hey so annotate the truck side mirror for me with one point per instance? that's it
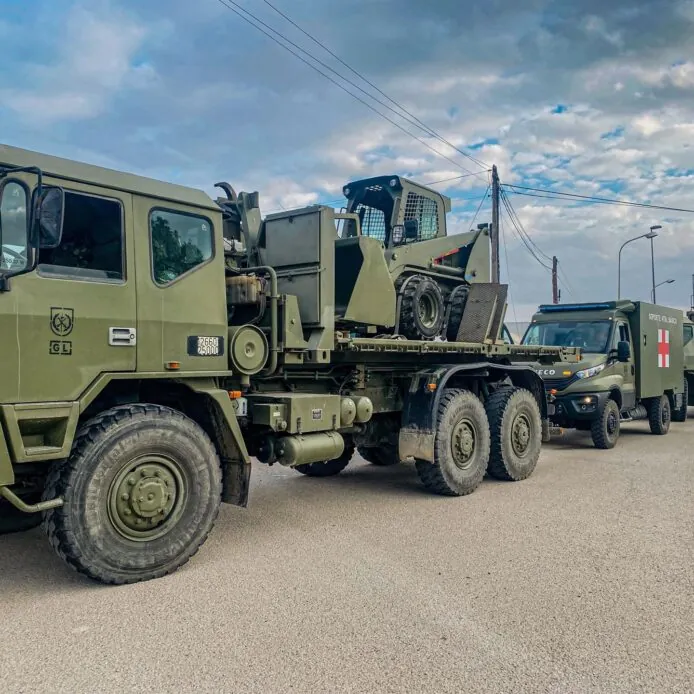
(623, 351)
(51, 209)
(411, 230)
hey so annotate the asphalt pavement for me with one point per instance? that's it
(579, 579)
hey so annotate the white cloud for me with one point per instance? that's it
(95, 60)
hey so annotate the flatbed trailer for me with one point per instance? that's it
(144, 369)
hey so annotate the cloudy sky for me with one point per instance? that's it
(586, 96)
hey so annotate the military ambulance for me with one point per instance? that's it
(632, 366)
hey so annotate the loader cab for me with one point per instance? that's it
(397, 211)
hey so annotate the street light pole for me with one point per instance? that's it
(650, 235)
(653, 228)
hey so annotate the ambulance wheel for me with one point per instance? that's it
(659, 415)
(421, 309)
(605, 429)
(680, 414)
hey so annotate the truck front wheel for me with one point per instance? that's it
(461, 446)
(659, 415)
(605, 429)
(142, 489)
(515, 423)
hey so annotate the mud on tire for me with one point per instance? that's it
(461, 446)
(421, 309)
(515, 424)
(142, 489)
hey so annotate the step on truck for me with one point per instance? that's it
(631, 367)
(156, 340)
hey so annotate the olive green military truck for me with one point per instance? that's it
(632, 366)
(154, 340)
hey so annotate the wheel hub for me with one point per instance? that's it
(611, 423)
(427, 311)
(146, 498)
(520, 435)
(463, 443)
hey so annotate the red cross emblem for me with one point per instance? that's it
(663, 349)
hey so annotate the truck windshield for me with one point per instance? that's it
(13, 228)
(590, 336)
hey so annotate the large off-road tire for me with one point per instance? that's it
(329, 467)
(382, 456)
(515, 425)
(455, 316)
(680, 414)
(605, 429)
(461, 446)
(659, 415)
(421, 309)
(142, 489)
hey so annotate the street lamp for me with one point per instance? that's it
(650, 235)
(657, 226)
(663, 282)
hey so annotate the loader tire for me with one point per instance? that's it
(680, 414)
(328, 468)
(605, 429)
(421, 309)
(142, 489)
(515, 424)
(461, 446)
(659, 415)
(455, 317)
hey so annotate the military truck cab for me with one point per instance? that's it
(631, 366)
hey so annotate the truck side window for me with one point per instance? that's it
(623, 332)
(91, 247)
(180, 242)
(688, 333)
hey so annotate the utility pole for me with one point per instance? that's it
(495, 225)
(555, 283)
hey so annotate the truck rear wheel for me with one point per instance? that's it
(142, 489)
(421, 309)
(659, 415)
(383, 456)
(605, 429)
(515, 425)
(680, 414)
(329, 467)
(461, 446)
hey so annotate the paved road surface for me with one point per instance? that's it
(580, 579)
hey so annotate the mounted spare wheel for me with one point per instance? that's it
(421, 308)
(457, 301)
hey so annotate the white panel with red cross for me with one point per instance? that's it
(663, 348)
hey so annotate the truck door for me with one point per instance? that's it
(623, 334)
(76, 312)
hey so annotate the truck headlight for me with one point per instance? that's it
(589, 373)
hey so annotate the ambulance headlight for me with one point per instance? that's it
(589, 373)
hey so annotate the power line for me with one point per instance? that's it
(414, 118)
(479, 207)
(508, 268)
(241, 12)
(524, 236)
(592, 198)
(453, 178)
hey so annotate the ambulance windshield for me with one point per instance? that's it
(590, 336)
